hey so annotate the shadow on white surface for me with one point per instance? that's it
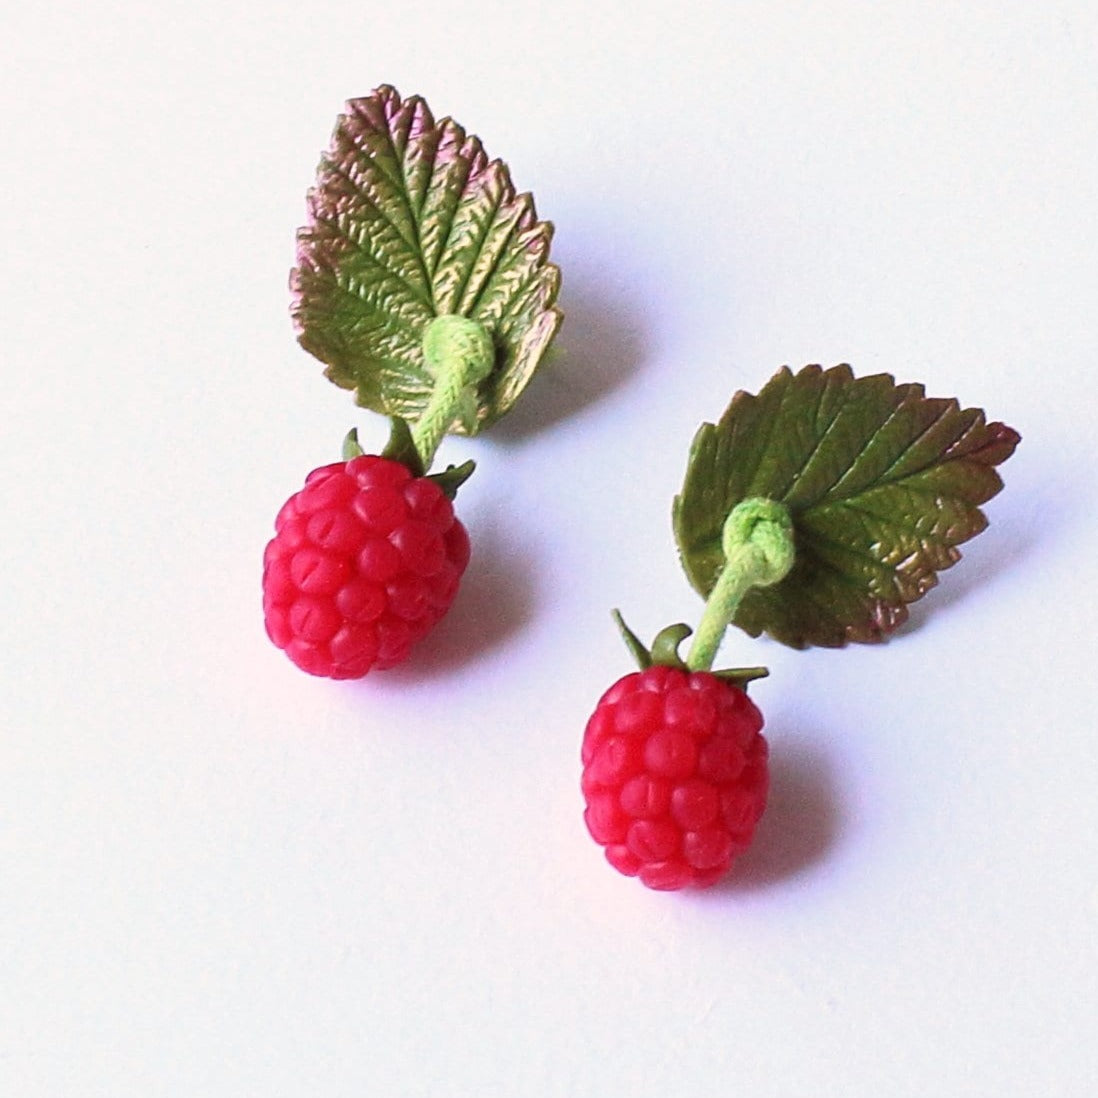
(599, 348)
(995, 557)
(802, 823)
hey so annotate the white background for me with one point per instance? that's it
(219, 876)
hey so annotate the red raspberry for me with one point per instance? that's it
(365, 560)
(674, 775)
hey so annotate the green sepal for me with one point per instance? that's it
(741, 676)
(453, 477)
(401, 447)
(882, 484)
(351, 447)
(633, 642)
(665, 648)
(664, 652)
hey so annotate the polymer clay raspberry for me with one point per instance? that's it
(815, 511)
(674, 776)
(365, 560)
(674, 764)
(423, 284)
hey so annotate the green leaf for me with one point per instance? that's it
(409, 220)
(883, 483)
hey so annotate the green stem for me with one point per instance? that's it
(459, 355)
(757, 540)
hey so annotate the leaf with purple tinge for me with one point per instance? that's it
(882, 482)
(409, 220)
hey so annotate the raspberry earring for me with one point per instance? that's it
(423, 283)
(816, 512)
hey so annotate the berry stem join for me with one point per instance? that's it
(459, 355)
(757, 541)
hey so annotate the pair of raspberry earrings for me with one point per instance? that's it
(814, 511)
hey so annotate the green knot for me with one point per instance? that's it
(458, 346)
(762, 529)
(757, 541)
(459, 355)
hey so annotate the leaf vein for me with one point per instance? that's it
(824, 438)
(486, 229)
(465, 161)
(367, 253)
(946, 410)
(401, 183)
(772, 426)
(498, 264)
(414, 252)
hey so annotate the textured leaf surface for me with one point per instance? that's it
(408, 220)
(883, 484)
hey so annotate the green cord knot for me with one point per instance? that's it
(763, 530)
(460, 346)
(757, 541)
(459, 355)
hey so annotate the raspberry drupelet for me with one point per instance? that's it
(674, 776)
(365, 560)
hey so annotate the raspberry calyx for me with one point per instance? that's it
(664, 652)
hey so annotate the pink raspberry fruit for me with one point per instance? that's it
(365, 560)
(674, 776)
